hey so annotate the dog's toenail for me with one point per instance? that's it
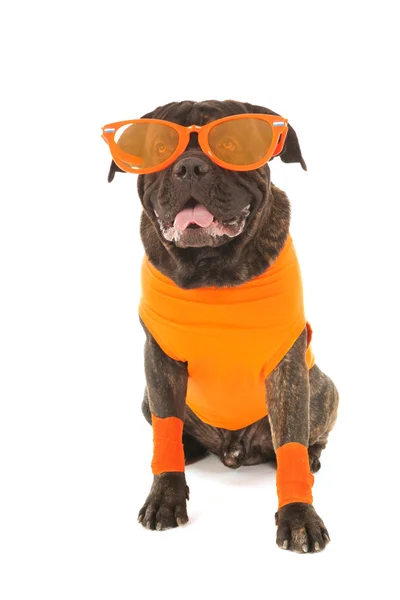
(148, 525)
(285, 544)
(316, 546)
(304, 548)
(158, 526)
(326, 537)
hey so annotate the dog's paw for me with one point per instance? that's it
(300, 528)
(315, 464)
(165, 506)
(314, 453)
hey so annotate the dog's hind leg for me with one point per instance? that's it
(193, 449)
(324, 401)
(145, 407)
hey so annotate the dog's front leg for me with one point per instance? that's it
(288, 397)
(166, 380)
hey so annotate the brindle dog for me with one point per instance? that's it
(302, 404)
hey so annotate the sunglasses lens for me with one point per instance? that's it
(241, 141)
(149, 144)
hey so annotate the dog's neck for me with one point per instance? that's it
(231, 264)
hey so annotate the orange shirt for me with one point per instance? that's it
(232, 338)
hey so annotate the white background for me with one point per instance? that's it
(74, 449)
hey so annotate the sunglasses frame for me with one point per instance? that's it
(278, 124)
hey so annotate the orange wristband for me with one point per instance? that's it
(168, 452)
(294, 479)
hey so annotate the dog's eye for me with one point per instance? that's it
(228, 144)
(161, 148)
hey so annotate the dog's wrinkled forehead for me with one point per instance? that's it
(197, 113)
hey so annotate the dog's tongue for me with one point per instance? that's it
(197, 214)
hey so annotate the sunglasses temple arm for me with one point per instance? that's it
(280, 144)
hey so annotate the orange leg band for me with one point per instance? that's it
(294, 479)
(168, 452)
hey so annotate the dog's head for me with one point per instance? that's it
(194, 203)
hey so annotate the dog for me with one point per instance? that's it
(211, 233)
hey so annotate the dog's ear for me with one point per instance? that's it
(113, 169)
(291, 150)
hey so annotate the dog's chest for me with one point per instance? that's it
(231, 338)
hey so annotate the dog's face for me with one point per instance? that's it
(195, 203)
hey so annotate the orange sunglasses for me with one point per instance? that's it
(238, 143)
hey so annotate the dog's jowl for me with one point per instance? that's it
(228, 358)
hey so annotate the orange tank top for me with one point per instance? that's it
(232, 337)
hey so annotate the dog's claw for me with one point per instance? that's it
(285, 544)
(304, 548)
(140, 518)
(316, 547)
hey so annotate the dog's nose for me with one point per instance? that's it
(191, 167)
